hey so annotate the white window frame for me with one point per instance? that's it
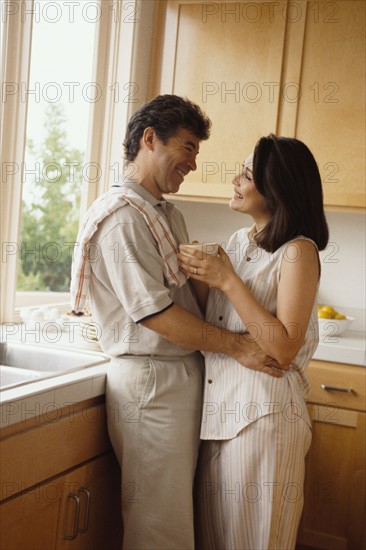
(124, 34)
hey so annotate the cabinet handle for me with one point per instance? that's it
(76, 517)
(86, 515)
(334, 388)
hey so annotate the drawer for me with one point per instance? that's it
(40, 453)
(348, 383)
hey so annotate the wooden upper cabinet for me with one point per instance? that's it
(226, 60)
(292, 68)
(331, 112)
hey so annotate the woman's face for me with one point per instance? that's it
(247, 198)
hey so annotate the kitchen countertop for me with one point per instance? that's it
(349, 348)
(48, 395)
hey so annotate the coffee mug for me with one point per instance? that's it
(208, 248)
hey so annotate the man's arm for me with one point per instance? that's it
(201, 291)
(179, 326)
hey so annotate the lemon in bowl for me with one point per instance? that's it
(331, 322)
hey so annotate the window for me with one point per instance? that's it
(68, 65)
(59, 95)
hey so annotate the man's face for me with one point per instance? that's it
(169, 163)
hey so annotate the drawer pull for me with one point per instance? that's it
(84, 528)
(76, 517)
(334, 388)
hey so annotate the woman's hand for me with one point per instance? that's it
(216, 271)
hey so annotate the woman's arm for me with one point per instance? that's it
(280, 337)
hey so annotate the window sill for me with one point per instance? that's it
(35, 299)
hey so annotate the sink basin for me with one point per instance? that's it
(11, 376)
(22, 363)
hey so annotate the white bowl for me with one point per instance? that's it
(334, 327)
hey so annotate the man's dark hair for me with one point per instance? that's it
(165, 114)
(287, 175)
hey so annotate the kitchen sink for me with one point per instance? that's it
(22, 363)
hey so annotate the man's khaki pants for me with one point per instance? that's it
(154, 413)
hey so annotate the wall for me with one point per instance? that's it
(343, 261)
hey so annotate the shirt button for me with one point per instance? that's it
(209, 381)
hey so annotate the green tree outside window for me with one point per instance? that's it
(50, 219)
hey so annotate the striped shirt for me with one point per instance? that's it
(235, 396)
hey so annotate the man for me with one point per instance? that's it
(150, 324)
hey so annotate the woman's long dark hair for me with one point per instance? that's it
(286, 174)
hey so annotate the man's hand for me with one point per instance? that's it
(247, 352)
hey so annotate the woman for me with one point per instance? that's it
(255, 428)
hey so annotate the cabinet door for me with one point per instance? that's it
(29, 521)
(91, 514)
(227, 57)
(331, 111)
(334, 507)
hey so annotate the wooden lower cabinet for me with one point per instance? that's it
(60, 482)
(334, 495)
(91, 511)
(30, 521)
(78, 507)
(79, 510)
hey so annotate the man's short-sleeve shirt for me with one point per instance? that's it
(127, 283)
